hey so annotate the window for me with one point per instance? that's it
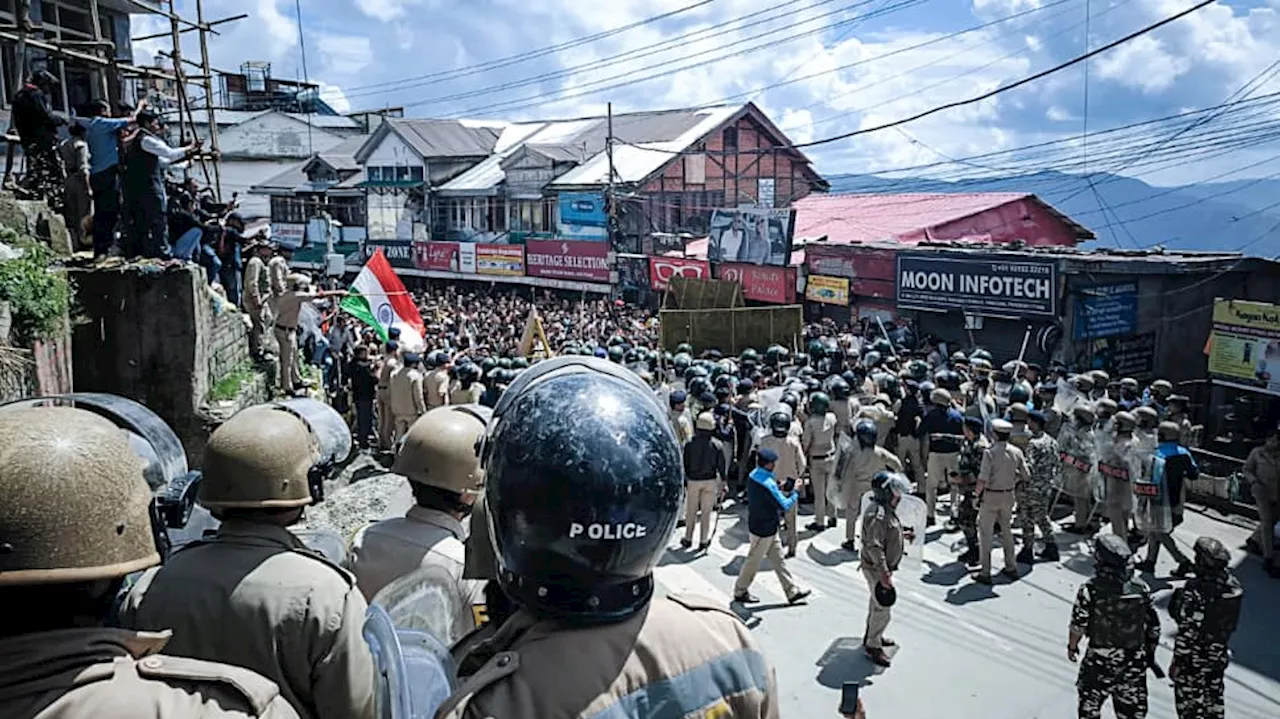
(415, 174)
(729, 138)
(402, 174)
(373, 174)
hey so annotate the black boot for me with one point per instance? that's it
(970, 556)
(1049, 553)
(1026, 555)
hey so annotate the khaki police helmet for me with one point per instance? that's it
(1162, 387)
(1125, 421)
(1147, 415)
(1082, 382)
(1106, 407)
(1017, 412)
(1168, 432)
(260, 458)
(74, 506)
(1129, 383)
(706, 421)
(1084, 413)
(940, 397)
(440, 448)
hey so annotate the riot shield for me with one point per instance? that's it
(1079, 476)
(1066, 398)
(331, 432)
(325, 541)
(176, 518)
(1152, 511)
(414, 674)
(912, 513)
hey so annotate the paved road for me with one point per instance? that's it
(965, 650)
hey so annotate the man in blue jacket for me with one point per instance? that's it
(766, 504)
(1158, 499)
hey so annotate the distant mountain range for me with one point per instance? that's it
(1242, 215)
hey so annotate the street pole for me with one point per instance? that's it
(610, 205)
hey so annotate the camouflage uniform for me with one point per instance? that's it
(966, 513)
(1115, 663)
(1045, 463)
(1206, 611)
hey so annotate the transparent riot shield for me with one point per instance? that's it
(912, 513)
(333, 436)
(1079, 454)
(409, 629)
(325, 541)
(1152, 511)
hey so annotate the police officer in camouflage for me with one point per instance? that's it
(1044, 463)
(965, 480)
(1207, 611)
(1114, 611)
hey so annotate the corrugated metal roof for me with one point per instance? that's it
(864, 218)
(645, 142)
(285, 181)
(226, 118)
(446, 138)
(342, 156)
(558, 152)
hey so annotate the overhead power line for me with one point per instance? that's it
(1014, 85)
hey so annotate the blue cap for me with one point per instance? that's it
(412, 357)
(678, 397)
(393, 345)
(767, 456)
(1037, 416)
(394, 333)
(601, 352)
(974, 423)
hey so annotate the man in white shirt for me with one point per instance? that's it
(146, 158)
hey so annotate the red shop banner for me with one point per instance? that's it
(764, 283)
(830, 261)
(436, 256)
(662, 269)
(567, 260)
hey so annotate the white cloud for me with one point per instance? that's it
(1143, 63)
(343, 56)
(334, 96)
(386, 10)
(1057, 113)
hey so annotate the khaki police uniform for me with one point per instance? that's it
(423, 537)
(254, 596)
(277, 278)
(117, 674)
(1003, 468)
(1262, 471)
(386, 420)
(407, 402)
(681, 425)
(790, 465)
(687, 656)
(818, 438)
(882, 548)
(257, 293)
(844, 410)
(470, 395)
(862, 467)
(288, 308)
(435, 388)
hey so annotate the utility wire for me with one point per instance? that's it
(1014, 85)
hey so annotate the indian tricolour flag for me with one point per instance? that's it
(378, 299)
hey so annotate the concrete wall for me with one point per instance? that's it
(154, 336)
(238, 175)
(393, 151)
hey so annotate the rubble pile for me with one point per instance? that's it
(348, 508)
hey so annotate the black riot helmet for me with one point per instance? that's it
(838, 388)
(1018, 394)
(1211, 555)
(801, 360)
(583, 482)
(1113, 557)
(617, 354)
(886, 486)
(779, 424)
(698, 386)
(865, 431)
(792, 400)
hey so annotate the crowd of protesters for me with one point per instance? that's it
(107, 171)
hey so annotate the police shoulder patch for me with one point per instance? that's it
(257, 691)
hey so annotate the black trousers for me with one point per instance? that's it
(106, 208)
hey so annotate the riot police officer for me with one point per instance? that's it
(1119, 465)
(438, 457)
(818, 437)
(254, 595)
(1080, 458)
(1158, 498)
(1207, 611)
(1114, 610)
(583, 481)
(74, 517)
(859, 462)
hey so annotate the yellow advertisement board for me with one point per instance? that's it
(1245, 342)
(828, 290)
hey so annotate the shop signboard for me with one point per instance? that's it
(1244, 345)
(978, 285)
(633, 272)
(289, 234)
(399, 253)
(439, 256)
(662, 269)
(582, 217)
(1106, 311)
(753, 235)
(762, 283)
(829, 261)
(567, 260)
(501, 260)
(827, 290)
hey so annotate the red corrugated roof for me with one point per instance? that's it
(905, 218)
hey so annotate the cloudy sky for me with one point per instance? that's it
(819, 68)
